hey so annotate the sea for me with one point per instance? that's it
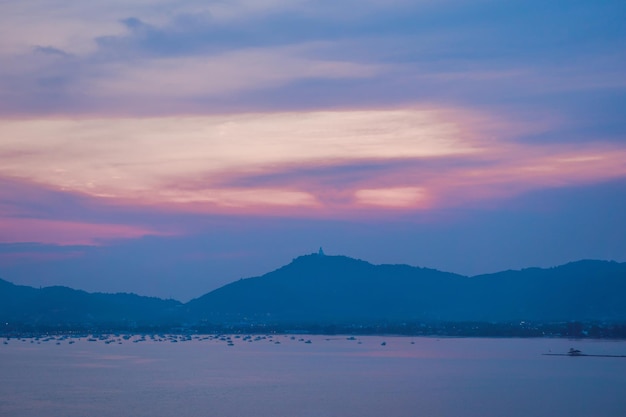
(308, 376)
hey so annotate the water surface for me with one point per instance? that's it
(330, 376)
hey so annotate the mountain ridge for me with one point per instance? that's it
(417, 293)
(341, 290)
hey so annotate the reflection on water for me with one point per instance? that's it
(308, 376)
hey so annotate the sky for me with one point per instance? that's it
(168, 147)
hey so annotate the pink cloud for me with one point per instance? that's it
(66, 232)
(425, 158)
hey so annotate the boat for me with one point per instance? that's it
(574, 352)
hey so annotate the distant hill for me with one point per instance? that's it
(53, 306)
(318, 289)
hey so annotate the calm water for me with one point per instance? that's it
(331, 376)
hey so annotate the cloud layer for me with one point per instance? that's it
(423, 159)
(158, 119)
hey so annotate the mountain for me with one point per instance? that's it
(321, 288)
(337, 290)
(62, 306)
(317, 288)
(582, 290)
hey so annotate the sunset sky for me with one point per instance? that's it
(169, 147)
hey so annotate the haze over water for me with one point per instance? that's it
(331, 376)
